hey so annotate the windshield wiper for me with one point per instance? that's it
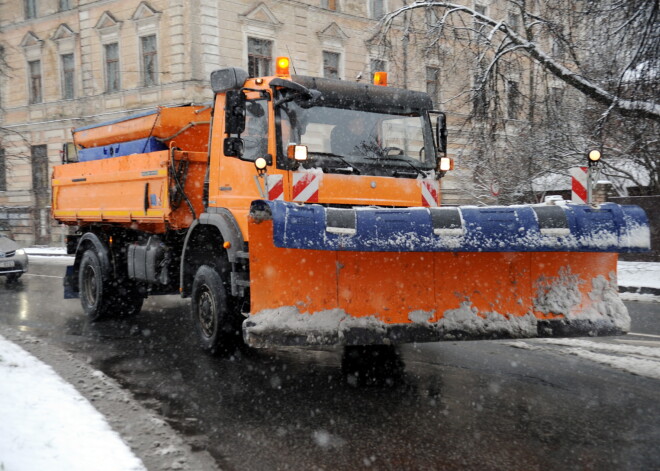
(392, 158)
(328, 154)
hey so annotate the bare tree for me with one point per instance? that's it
(637, 28)
(547, 80)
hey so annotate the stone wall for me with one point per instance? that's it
(17, 222)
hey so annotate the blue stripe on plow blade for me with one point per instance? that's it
(532, 228)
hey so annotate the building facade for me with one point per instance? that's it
(72, 63)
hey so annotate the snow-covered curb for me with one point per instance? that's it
(638, 360)
(46, 251)
(150, 438)
(46, 424)
(638, 279)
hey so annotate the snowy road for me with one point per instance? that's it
(532, 404)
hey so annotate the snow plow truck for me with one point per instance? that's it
(301, 211)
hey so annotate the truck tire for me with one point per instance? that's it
(212, 312)
(100, 300)
(94, 294)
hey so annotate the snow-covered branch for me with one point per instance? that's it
(589, 87)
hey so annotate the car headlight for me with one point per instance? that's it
(20, 252)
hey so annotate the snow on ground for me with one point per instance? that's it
(43, 250)
(47, 425)
(643, 274)
(640, 361)
(640, 275)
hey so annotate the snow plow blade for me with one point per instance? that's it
(325, 276)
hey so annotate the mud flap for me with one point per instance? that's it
(324, 276)
(70, 284)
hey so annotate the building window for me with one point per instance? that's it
(149, 60)
(30, 9)
(112, 78)
(478, 25)
(433, 84)
(331, 64)
(64, 5)
(514, 21)
(556, 98)
(431, 17)
(377, 65)
(377, 9)
(330, 4)
(68, 76)
(558, 48)
(513, 99)
(3, 170)
(260, 57)
(479, 96)
(34, 68)
(40, 169)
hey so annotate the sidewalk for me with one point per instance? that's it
(47, 424)
(639, 278)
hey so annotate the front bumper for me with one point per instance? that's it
(13, 265)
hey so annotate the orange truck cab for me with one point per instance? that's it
(306, 211)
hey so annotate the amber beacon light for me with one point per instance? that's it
(380, 78)
(282, 66)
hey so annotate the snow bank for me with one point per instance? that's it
(71, 436)
(43, 250)
(640, 274)
(641, 361)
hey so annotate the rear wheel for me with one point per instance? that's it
(94, 294)
(213, 313)
(102, 299)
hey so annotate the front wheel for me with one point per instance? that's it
(212, 312)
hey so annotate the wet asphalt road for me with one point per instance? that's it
(451, 405)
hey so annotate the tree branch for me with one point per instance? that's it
(625, 106)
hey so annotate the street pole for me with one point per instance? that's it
(594, 158)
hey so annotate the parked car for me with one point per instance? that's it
(13, 259)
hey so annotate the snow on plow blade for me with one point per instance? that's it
(325, 276)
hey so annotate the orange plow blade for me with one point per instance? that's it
(350, 294)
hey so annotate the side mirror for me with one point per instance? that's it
(441, 133)
(233, 147)
(234, 112)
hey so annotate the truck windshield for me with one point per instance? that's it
(358, 141)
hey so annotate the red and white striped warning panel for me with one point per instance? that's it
(306, 187)
(275, 187)
(579, 185)
(430, 191)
